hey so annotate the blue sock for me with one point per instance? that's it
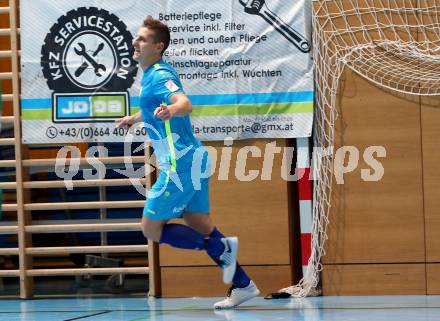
(241, 279)
(184, 237)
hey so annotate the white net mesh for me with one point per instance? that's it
(394, 44)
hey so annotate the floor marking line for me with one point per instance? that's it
(88, 316)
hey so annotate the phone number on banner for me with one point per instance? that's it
(92, 132)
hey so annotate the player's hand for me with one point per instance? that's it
(125, 122)
(163, 112)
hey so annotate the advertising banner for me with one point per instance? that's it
(245, 65)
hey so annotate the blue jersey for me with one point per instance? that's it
(173, 140)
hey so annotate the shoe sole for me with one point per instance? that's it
(247, 298)
(229, 272)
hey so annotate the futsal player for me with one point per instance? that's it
(180, 190)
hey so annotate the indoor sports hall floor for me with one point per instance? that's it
(372, 308)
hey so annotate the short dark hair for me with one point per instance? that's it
(161, 31)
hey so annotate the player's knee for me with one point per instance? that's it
(200, 222)
(206, 230)
(151, 231)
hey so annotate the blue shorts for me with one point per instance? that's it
(174, 194)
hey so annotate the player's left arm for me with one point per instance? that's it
(180, 106)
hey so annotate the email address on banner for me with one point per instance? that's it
(255, 128)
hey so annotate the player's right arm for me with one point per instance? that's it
(128, 121)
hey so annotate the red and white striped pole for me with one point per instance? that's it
(305, 196)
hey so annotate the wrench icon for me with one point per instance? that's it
(259, 8)
(85, 64)
(82, 52)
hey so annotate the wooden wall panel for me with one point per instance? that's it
(378, 222)
(207, 281)
(374, 279)
(431, 184)
(255, 211)
(431, 176)
(432, 278)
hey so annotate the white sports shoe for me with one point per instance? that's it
(237, 296)
(229, 258)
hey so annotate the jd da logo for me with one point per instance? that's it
(87, 62)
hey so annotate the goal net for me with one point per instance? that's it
(394, 44)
